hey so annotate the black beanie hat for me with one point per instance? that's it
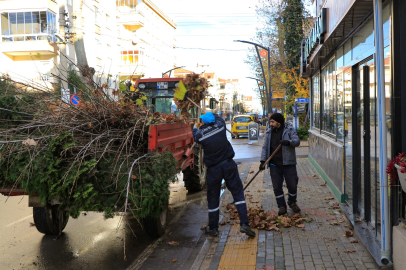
(278, 118)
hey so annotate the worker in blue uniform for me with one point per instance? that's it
(218, 158)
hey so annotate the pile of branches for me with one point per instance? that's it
(92, 157)
(262, 220)
(196, 87)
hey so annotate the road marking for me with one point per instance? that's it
(200, 257)
(15, 222)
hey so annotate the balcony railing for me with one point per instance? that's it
(28, 37)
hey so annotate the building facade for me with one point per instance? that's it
(147, 40)
(344, 139)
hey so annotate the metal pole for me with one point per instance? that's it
(296, 115)
(269, 74)
(383, 152)
(263, 74)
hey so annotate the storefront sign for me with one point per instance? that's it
(316, 37)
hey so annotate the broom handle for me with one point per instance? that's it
(202, 110)
(266, 162)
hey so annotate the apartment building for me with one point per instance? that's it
(36, 39)
(146, 40)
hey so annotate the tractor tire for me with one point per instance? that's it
(50, 219)
(155, 227)
(195, 179)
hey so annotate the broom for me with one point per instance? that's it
(266, 162)
(182, 94)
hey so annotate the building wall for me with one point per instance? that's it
(148, 31)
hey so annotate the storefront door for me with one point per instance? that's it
(364, 124)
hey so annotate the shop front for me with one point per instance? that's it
(344, 139)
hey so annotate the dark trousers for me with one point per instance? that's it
(229, 172)
(278, 174)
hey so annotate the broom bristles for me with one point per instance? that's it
(180, 92)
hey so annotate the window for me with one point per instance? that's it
(130, 5)
(316, 101)
(329, 97)
(129, 57)
(69, 2)
(339, 121)
(27, 26)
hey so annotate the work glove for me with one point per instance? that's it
(285, 142)
(261, 166)
(196, 126)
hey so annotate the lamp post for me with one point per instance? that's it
(259, 88)
(170, 71)
(268, 89)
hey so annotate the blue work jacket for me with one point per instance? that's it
(214, 141)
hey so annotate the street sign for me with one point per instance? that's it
(302, 100)
(65, 95)
(263, 53)
(74, 100)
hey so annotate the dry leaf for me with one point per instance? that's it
(203, 227)
(328, 198)
(349, 251)
(349, 227)
(32, 224)
(173, 243)
(334, 223)
(174, 260)
(354, 241)
(30, 142)
(251, 171)
(348, 234)
(300, 225)
(323, 185)
(133, 176)
(358, 219)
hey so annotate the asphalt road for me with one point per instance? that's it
(91, 242)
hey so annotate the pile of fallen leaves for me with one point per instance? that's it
(196, 87)
(262, 220)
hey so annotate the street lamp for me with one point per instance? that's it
(267, 85)
(259, 88)
(170, 71)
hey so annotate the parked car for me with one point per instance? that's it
(240, 123)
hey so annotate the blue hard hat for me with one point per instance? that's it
(208, 118)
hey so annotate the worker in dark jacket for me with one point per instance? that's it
(283, 164)
(218, 157)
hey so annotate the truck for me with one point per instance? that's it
(175, 137)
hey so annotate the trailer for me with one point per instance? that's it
(175, 137)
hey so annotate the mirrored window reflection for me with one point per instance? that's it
(339, 121)
(316, 101)
(329, 98)
(363, 42)
(348, 139)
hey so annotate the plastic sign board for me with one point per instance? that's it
(302, 100)
(263, 53)
(65, 95)
(74, 100)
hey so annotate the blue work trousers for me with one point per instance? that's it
(229, 172)
(278, 175)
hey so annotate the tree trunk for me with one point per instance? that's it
(281, 39)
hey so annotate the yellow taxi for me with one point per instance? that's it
(239, 125)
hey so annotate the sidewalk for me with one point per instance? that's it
(321, 244)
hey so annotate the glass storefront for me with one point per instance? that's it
(345, 97)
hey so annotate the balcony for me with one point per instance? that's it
(29, 50)
(131, 20)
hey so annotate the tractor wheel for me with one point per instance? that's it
(195, 179)
(155, 226)
(50, 219)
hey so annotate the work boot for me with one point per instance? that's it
(282, 211)
(213, 232)
(247, 230)
(294, 207)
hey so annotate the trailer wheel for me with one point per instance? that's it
(195, 179)
(50, 219)
(156, 226)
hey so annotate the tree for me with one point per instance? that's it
(301, 85)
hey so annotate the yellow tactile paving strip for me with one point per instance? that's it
(240, 252)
